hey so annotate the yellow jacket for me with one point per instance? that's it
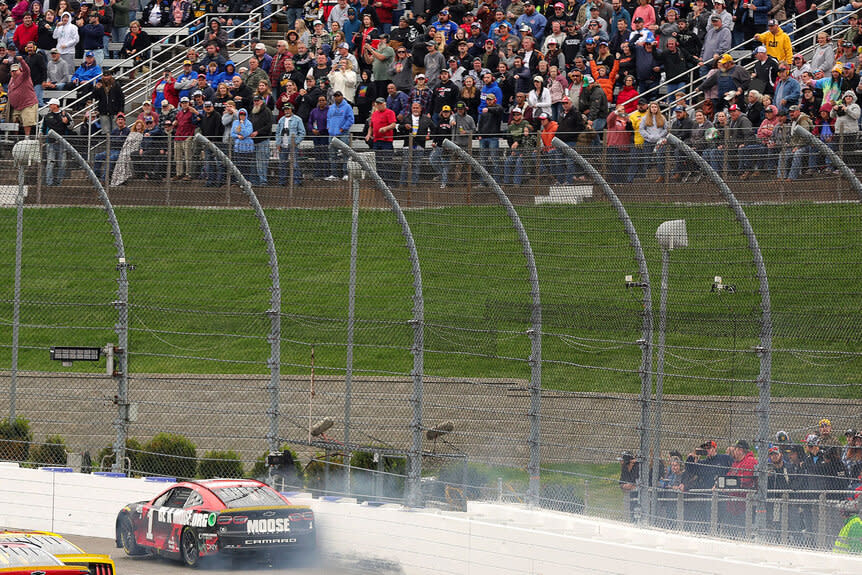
(777, 45)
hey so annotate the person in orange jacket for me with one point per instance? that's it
(604, 78)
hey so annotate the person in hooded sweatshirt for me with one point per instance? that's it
(66, 35)
(243, 144)
(846, 114)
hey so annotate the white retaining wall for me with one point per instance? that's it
(488, 540)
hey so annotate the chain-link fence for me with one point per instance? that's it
(566, 323)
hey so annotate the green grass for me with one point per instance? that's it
(199, 293)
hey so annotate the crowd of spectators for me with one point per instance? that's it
(503, 73)
(821, 464)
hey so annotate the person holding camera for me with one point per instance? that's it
(846, 114)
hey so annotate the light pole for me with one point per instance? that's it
(670, 235)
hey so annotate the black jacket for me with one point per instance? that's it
(210, 125)
(53, 121)
(261, 122)
(109, 103)
(38, 68)
(490, 121)
(426, 127)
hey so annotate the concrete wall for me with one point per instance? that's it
(487, 540)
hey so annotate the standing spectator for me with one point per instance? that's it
(793, 157)
(401, 70)
(109, 99)
(38, 69)
(443, 129)
(92, 37)
(519, 137)
(288, 135)
(319, 137)
(115, 141)
(397, 102)
(683, 128)
(421, 94)
(243, 145)
(339, 120)
(731, 81)
(488, 130)
(211, 127)
(66, 34)
(716, 43)
(777, 42)
(22, 96)
(343, 79)
(184, 129)
(787, 90)
(261, 122)
(653, 128)
(124, 168)
(150, 160)
(765, 71)
(382, 58)
(46, 42)
(277, 67)
(463, 124)
(742, 142)
(60, 122)
(380, 135)
(122, 20)
(26, 32)
(416, 127)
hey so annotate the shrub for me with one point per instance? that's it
(220, 464)
(471, 481)
(320, 479)
(261, 472)
(15, 439)
(366, 482)
(169, 454)
(105, 457)
(52, 452)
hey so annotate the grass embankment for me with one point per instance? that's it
(199, 293)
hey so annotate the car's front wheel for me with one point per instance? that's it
(189, 548)
(127, 537)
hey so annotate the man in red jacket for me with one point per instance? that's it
(743, 468)
(381, 133)
(22, 96)
(184, 130)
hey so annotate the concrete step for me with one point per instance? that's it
(565, 195)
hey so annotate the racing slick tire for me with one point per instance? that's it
(127, 538)
(189, 551)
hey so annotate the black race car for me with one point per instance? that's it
(194, 519)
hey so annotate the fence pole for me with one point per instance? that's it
(351, 315)
(274, 311)
(414, 476)
(764, 350)
(121, 368)
(535, 331)
(647, 324)
(16, 298)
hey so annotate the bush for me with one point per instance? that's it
(106, 455)
(220, 464)
(471, 481)
(170, 455)
(261, 472)
(365, 481)
(15, 439)
(316, 473)
(52, 452)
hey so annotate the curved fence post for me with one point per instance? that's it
(122, 304)
(535, 331)
(832, 155)
(414, 474)
(764, 351)
(274, 310)
(646, 332)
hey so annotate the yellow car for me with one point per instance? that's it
(64, 550)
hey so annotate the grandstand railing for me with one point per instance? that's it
(746, 47)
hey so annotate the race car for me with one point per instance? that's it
(195, 519)
(23, 558)
(63, 549)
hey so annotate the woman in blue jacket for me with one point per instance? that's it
(243, 145)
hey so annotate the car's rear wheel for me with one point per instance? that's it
(127, 538)
(189, 548)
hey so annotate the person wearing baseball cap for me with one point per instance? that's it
(703, 465)
(60, 122)
(777, 42)
(518, 134)
(443, 128)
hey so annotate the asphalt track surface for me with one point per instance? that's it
(157, 566)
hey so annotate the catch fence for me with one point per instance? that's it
(551, 337)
